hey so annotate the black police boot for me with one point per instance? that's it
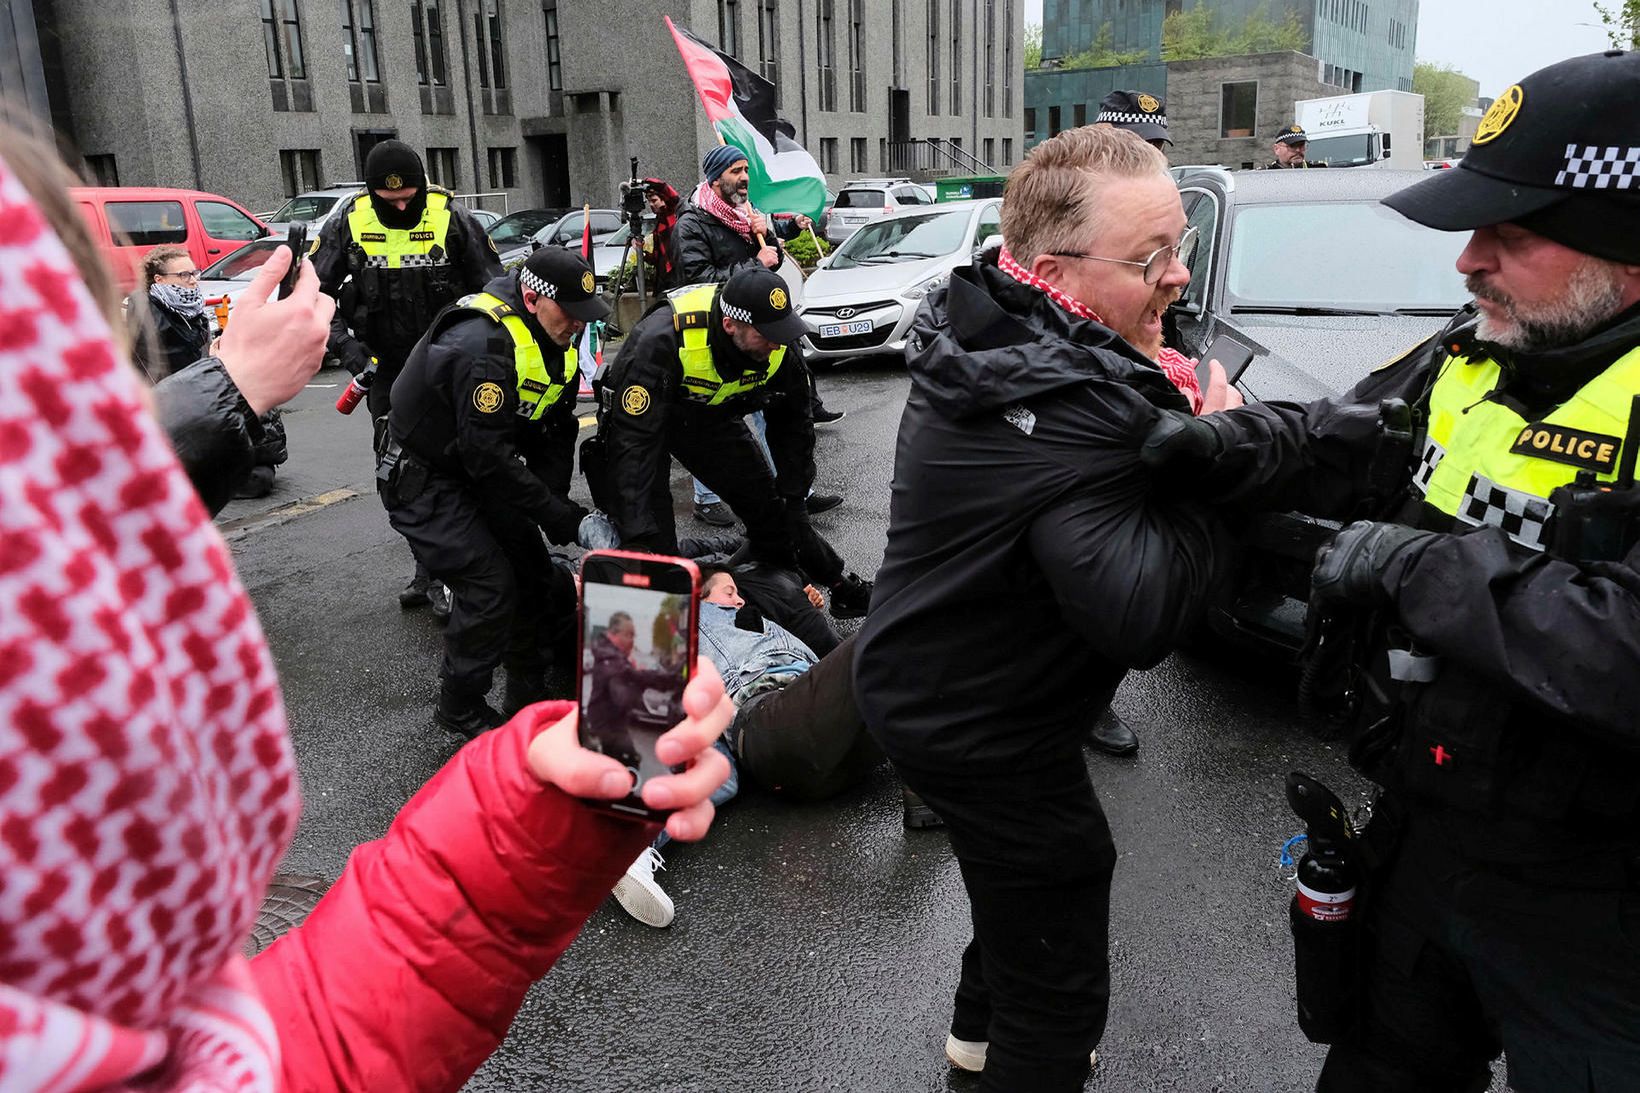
(438, 594)
(850, 598)
(917, 813)
(463, 713)
(1112, 736)
(823, 502)
(522, 689)
(414, 594)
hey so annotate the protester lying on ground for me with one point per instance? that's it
(147, 785)
(797, 731)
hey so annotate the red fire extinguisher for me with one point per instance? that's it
(356, 388)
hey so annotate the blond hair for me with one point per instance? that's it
(1052, 199)
(153, 263)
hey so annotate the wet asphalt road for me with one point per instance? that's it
(815, 947)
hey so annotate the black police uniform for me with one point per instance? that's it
(647, 417)
(1502, 669)
(475, 482)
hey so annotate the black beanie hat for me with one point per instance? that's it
(393, 165)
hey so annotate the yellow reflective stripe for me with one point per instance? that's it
(390, 247)
(538, 389)
(701, 382)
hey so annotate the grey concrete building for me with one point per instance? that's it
(540, 102)
(1226, 110)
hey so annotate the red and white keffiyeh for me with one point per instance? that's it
(1174, 365)
(147, 788)
(738, 217)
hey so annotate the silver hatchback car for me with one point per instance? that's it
(867, 199)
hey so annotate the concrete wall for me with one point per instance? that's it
(1196, 93)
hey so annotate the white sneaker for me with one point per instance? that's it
(639, 895)
(970, 1054)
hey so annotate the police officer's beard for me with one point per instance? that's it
(1593, 295)
(393, 218)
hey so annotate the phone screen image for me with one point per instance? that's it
(637, 650)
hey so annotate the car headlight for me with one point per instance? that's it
(923, 288)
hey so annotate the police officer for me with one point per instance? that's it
(393, 255)
(1502, 665)
(1289, 148)
(689, 374)
(484, 413)
(1139, 112)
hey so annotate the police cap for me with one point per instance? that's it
(564, 277)
(1557, 153)
(1292, 134)
(1136, 111)
(760, 297)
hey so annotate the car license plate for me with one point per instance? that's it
(854, 220)
(843, 330)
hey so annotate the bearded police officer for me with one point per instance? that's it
(393, 255)
(682, 386)
(1289, 148)
(1501, 662)
(484, 413)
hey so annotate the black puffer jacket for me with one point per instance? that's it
(708, 250)
(1030, 563)
(164, 341)
(212, 428)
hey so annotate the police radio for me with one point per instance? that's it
(1596, 522)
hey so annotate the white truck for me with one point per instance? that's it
(1371, 129)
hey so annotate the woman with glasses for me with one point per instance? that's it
(169, 330)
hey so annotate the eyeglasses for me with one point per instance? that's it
(1156, 264)
(185, 274)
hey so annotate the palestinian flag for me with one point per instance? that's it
(740, 105)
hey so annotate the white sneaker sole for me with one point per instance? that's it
(641, 904)
(969, 1055)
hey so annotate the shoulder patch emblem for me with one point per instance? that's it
(488, 397)
(635, 400)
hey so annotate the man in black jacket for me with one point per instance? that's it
(393, 255)
(1029, 566)
(1493, 595)
(484, 412)
(682, 386)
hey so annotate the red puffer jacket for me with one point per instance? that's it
(407, 974)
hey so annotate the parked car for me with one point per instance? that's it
(861, 298)
(129, 221)
(228, 276)
(312, 208)
(867, 199)
(1307, 269)
(516, 228)
(486, 219)
(565, 231)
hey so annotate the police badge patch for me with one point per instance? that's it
(488, 397)
(634, 400)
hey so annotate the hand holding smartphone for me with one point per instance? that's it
(639, 618)
(1233, 356)
(296, 240)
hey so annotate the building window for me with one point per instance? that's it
(503, 168)
(1079, 114)
(828, 155)
(270, 40)
(956, 57)
(1008, 58)
(441, 167)
(1007, 150)
(102, 170)
(768, 45)
(555, 64)
(857, 155)
(299, 168)
(359, 41)
(857, 56)
(1053, 120)
(428, 30)
(292, 21)
(933, 56)
(1030, 123)
(1238, 109)
(729, 27)
(282, 39)
(990, 57)
(492, 62)
(826, 47)
(990, 151)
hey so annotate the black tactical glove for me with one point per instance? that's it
(1349, 566)
(1177, 441)
(561, 529)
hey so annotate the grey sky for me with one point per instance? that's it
(1494, 41)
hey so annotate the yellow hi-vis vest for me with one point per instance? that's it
(692, 318)
(402, 248)
(1485, 464)
(537, 388)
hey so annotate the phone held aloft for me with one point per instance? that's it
(296, 240)
(639, 619)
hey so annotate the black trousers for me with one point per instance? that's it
(1036, 857)
(806, 740)
(510, 603)
(719, 450)
(1469, 958)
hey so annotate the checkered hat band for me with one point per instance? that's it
(738, 314)
(1591, 167)
(535, 284)
(1115, 118)
(1522, 516)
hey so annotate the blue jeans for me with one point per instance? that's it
(704, 496)
(720, 796)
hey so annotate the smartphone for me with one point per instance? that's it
(1234, 356)
(297, 242)
(640, 614)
